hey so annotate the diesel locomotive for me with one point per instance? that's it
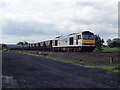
(75, 42)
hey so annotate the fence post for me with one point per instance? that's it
(111, 60)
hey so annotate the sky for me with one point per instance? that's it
(39, 20)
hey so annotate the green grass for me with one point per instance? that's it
(108, 49)
(109, 68)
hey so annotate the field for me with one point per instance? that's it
(107, 49)
(106, 59)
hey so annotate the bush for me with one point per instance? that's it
(98, 43)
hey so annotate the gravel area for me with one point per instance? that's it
(92, 58)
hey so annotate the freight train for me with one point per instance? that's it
(75, 42)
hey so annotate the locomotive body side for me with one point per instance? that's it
(75, 42)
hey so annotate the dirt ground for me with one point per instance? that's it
(92, 58)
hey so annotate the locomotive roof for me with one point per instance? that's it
(72, 34)
(87, 32)
(58, 36)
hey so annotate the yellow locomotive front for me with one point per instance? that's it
(88, 41)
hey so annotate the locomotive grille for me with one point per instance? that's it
(88, 44)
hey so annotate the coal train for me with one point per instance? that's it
(75, 42)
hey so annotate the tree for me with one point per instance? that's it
(102, 41)
(22, 44)
(109, 41)
(116, 42)
(4, 47)
(26, 43)
(98, 42)
(113, 43)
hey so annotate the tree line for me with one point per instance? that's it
(114, 43)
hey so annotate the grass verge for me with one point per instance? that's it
(109, 49)
(109, 68)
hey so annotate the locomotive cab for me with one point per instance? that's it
(88, 41)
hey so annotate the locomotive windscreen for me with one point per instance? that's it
(88, 35)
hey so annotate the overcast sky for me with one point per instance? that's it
(38, 20)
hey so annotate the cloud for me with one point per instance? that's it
(31, 38)
(28, 28)
(40, 19)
